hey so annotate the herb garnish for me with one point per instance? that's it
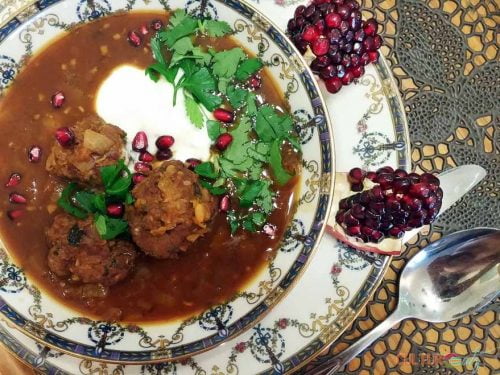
(81, 203)
(210, 79)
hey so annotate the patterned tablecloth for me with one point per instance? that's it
(445, 57)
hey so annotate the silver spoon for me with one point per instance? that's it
(447, 280)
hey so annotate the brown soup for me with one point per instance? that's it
(214, 268)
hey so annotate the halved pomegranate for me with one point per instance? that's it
(375, 209)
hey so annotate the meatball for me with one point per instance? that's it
(170, 212)
(78, 254)
(96, 145)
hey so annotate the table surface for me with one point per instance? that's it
(444, 55)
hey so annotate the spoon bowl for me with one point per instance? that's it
(452, 277)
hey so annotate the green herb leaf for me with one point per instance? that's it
(214, 129)
(214, 190)
(226, 62)
(202, 86)
(281, 175)
(183, 45)
(251, 104)
(206, 169)
(110, 173)
(193, 111)
(250, 193)
(237, 97)
(177, 17)
(65, 202)
(156, 49)
(249, 225)
(185, 27)
(86, 200)
(248, 68)
(109, 228)
(154, 71)
(265, 200)
(120, 187)
(258, 218)
(215, 28)
(233, 220)
(100, 203)
(270, 125)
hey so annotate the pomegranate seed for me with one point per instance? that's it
(58, 99)
(333, 20)
(377, 207)
(156, 25)
(300, 10)
(373, 56)
(142, 167)
(344, 12)
(224, 203)
(65, 137)
(140, 142)
(353, 231)
(358, 72)
(401, 185)
(34, 154)
(164, 154)
(430, 179)
(385, 180)
(17, 198)
(371, 176)
(328, 72)
(193, 163)
(115, 209)
(310, 34)
(333, 85)
(400, 173)
(339, 217)
(134, 38)
(350, 220)
(224, 115)
(347, 78)
(414, 178)
(320, 46)
(420, 190)
(370, 214)
(369, 44)
(370, 27)
(223, 141)
(14, 180)
(396, 232)
(357, 187)
(376, 193)
(165, 142)
(146, 157)
(143, 29)
(291, 26)
(344, 204)
(392, 203)
(439, 193)
(358, 211)
(377, 40)
(309, 11)
(320, 26)
(255, 82)
(270, 230)
(365, 58)
(137, 178)
(15, 214)
(356, 175)
(387, 169)
(411, 203)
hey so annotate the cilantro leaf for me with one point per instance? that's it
(258, 218)
(251, 104)
(226, 62)
(109, 228)
(214, 129)
(154, 71)
(185, 27)
(275, 160)
(178, 16)
(248, 68)
(156, 49)
(120, 187)
(251, 192)
(233, 220)
(214, 190)
(183, 45)
(270, 125)
(86, 200)
(193, 111)
(265, 198)
(202, 86)
(237, 97)
(110, 173)
(65, 202)
(215, 28)
(206, 169)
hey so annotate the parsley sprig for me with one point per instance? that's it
(81, 203)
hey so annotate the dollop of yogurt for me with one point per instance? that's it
(131, 100)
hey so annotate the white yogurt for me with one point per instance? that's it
(131, 100)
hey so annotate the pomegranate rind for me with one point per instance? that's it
(388, 246)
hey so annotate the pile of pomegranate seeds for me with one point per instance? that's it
(342, 42)
(397, 203)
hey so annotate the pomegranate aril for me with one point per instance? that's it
(376, 236)
(346, 61)
(320, 46)
(143, 29)
(156, 25)
(115, 209)
(320, 26)
(357, 187)
(65, 137)
(431, 201)
(137, 178)
(392, 204)
(328, 72)
(354, 23)
(411, 203)
(193, 163)
(164, 142)
(386, 169)
(146, 157)
(223, 115)
(358, 211)
(309, 11)
(164, 154)
(352, 4)
(344, 27)
(396, 232)
(339, 216)
(344, 204)
(255, 82)
(415, 222)
(353, 231)
(372, 176)
(300, 10)
(17, 198)
(373, 56)
(15, 214)
(439, 193)
(370, 214)
(320, 63)
(378, 207)
(224, 203)
(356, 175)
(142, 167)
(340, 72)
(420, 190)
(347, 78)
(14, 180)
(140, 142)
(333, 20)
(365, 58)
(371, 27)
(372, 223)
(300, 21)
(310, 34)
(58, 99)
(291, 26)
(34, 154)
(344, 12)
(350, 220)
(358, 71)
(376, 193)
(377, 40)
(334, 36)
(385, 180)
(368, 44)
(333, 85)
(400, 173)
(223, 141)
(430, 179)
(401, 185)
(134, 38)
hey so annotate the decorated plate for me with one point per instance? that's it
(37, 314)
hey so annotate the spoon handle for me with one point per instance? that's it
(335, 363)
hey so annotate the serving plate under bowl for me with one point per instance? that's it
(44, 319)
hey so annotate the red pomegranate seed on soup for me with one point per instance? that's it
(269, 229)
(137, 178)
(156, 25)
(34, 154)
(15, 214)
(58, 99)
(223, 115)
(193, 163)
(146, 157)
(17, 198)
(65, 136)
(164, 154)
(164, 142)
(14, 180)
(142, 167)
(255, 82)
(115, 209)
(140, 142)
(224, 203)
(223, 141)
(134, 38)
(143, 29)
